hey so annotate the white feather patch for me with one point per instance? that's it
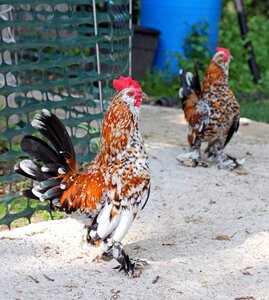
(27, 165)
(180, 93)
(61, 171)
(46, 113)
(37, 116)
(63, 186)
(184, 156)
(45, 169)
(127, 218)
(37, 124)
(37, 194)
(104, 213)
(201, 127)
(189, 77)
(106, 225)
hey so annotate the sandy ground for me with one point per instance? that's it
(204, 232)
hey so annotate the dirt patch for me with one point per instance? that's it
(204, 232)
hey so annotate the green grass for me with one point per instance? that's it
(255, 110)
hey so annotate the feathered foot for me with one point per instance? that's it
(132, 268)
(229, 162)
(215, 151)
(191, 159)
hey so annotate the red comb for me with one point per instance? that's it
(226, 52)
(125, 82)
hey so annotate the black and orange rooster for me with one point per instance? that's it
(212, 112)
(114, 187)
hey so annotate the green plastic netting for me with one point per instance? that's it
(61, 56)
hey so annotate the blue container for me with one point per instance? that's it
(174, 19)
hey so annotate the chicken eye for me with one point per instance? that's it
(130, 94)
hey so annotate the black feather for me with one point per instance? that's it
(32, 170)
(55, 202)
(146, 199)
(28, 194)
(231, 132)
(64, 206)
(47, 132)
(40, 150)
(53, 156)
(53, 168)
(55, 131)
(64, 136)
(44, 186)
(186, 89)
(189, 87)
(50, 183)
(52, 193)
(18, 170)
(196, 80)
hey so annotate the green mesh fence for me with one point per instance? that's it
(59, 55)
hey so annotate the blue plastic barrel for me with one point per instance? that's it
(174, 18)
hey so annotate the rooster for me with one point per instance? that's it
(211, 112)
(113, 188)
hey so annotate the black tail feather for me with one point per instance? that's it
(50, 164)
(53, 129)
(189, 83)
(54, 167)
(185, 90)
(47, 184)
(40, 150)
(52, 193)
(28, 194)
(196, 84)
(63, 136)
(31, 170)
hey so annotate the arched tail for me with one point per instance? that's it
(50, 163)
(190, 84)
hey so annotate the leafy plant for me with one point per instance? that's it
(195, 48)
(241, 80)
(158, 85)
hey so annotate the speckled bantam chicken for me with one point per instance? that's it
(212, 112)
(114, 187)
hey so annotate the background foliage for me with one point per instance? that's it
(240, 77)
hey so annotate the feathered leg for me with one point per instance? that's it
(111, 244)
(193, 157)
(215, 150)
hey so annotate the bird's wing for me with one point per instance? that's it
(234, 127)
